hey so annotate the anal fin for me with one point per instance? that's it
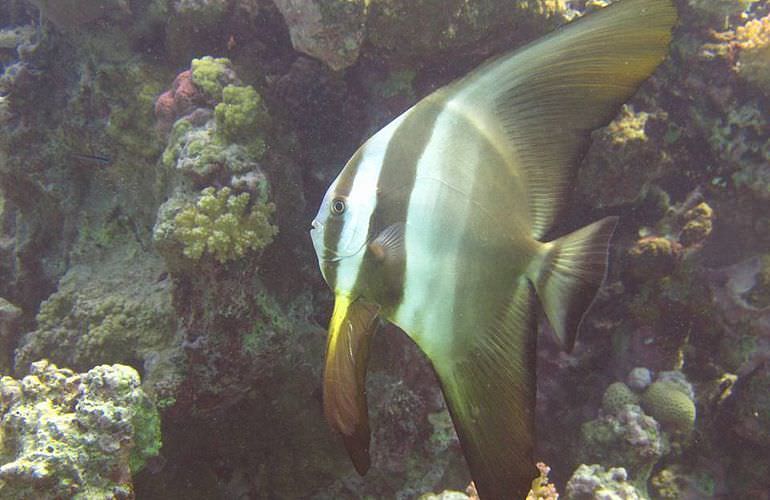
(571, 274)
(490, 392)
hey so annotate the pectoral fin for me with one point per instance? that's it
(344, 386)
(388, 246)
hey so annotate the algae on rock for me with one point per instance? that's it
(70, 435)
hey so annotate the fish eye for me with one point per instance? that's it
(338, 206)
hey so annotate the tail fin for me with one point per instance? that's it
(572, 272)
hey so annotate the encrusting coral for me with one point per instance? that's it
(223, 225)
(69, 435)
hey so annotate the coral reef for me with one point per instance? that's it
(617, 396)
(150, 150)
(670, 406)
(625, 155)
(753, 42)
(594, 481)
(332, 31)
(212, 75)
(222, 224)
(69, 435)
(629, 438)
(112, 310)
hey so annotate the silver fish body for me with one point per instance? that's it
(436, 224)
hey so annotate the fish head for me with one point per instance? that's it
(340, 230)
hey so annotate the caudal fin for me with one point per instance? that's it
(572, 272)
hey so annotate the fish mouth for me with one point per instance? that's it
(324, 254)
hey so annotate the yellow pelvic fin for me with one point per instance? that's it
(344, 385)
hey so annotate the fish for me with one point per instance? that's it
(438, 224)
(95, 158)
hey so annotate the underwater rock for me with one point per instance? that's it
(9, 331)
(639, 378)
(750, 416)
(70, 14)
(70, 435)
(331, 31)
(117, 310)
(593, 482)
(628, 439)
(409, 30)
(718, 10)
(741, 297)
(195, 26)
(625, 157)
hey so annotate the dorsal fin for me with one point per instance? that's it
(547, 97)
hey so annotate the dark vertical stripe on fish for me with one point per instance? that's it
(396, 182)
(332, 233)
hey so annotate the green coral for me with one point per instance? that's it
(241, 116)
(617, 396)
(667, 403)
(223, 225)
(211, 75)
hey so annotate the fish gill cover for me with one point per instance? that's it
(160, 162)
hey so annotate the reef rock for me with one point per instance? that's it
(70, 435)
(331, 31)
(590, 482)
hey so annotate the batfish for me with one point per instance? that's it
(438, 224)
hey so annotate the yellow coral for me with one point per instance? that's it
(542, 488)
(753, 40)
(222, 224)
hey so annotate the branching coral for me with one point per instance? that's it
(212, 75)
(223, 225)
(241, 115)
